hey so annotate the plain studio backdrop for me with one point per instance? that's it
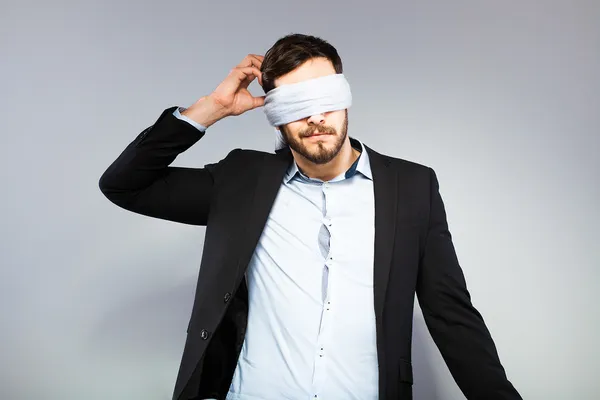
(502, 99)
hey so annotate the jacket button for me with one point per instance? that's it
(227, 297)
(204, 334)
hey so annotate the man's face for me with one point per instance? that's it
(318, 138)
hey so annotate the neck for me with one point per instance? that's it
(326, 172)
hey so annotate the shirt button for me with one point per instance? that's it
(227, 297)
(204, 334)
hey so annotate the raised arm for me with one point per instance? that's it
(141, 179)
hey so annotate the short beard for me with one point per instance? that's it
(323, 154)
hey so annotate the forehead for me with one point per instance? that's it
(313, 68)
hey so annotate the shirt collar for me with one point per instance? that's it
(361, 165)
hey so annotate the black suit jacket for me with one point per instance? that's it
(232, 198)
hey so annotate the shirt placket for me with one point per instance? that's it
(324, 335)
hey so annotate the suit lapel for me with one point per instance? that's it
(265, 186)
(386, 204)
(385, 188)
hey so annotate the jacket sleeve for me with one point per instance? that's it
(141, 179)
(456, 327)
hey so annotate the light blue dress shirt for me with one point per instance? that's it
(311, 322)
(177, 113)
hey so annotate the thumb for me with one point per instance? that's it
(258, 101)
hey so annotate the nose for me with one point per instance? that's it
(317, 119)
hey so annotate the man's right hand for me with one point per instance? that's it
(232, 96)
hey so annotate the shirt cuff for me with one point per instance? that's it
(190, 121)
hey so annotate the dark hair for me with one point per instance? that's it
(293, 50)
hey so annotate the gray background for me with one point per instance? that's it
(500, 98)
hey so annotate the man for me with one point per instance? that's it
(313, 254)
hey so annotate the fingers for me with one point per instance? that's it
(243, 74)
(239, 78)
(233, 90)
(251, 60)
(254, 61)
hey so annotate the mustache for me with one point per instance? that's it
(321, 129)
